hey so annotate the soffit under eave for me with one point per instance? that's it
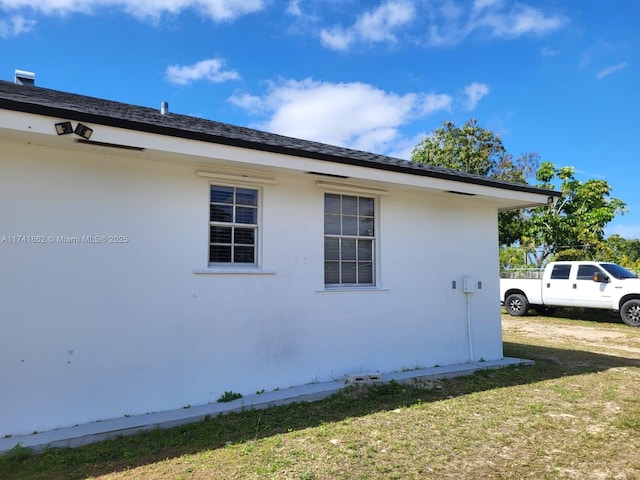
(202, 152)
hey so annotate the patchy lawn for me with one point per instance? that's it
(575, 414)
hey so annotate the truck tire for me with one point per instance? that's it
(630, 312)
(516, 304)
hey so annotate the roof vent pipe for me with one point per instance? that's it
(164, 108)
(25, 78)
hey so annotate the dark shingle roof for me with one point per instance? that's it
(42, 101)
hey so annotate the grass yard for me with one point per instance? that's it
(575, 414)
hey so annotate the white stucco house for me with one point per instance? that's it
(152, 260)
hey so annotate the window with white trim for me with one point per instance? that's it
(349, 240)
(233, 226)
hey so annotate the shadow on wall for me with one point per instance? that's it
(158, 445)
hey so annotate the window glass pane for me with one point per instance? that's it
(245, 236)
(332, 249)
(244, 196)
(348, 249)
(220, 253)
(349, 205)
(348, 272)
(221, 194)
(365, 228)
(365, 272)
(246, 215)
(331, 203)
(221, 213)
(332, 224)
(586, 272)
(220, 235)
(243, 254)
(366, 206)
(560, 272)
(331, 272)
(349, 225)
(365, 250)
(235, 207)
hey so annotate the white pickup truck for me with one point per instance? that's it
(574, 284)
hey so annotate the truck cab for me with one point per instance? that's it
(582, 284)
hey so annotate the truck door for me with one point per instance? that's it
(557, 289)
(586, 292)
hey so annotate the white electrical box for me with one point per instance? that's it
(468, 285)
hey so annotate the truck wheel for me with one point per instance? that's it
(630, 313)
(516, 304)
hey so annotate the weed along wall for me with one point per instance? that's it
(109, 306)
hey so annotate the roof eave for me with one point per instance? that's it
(26, 106)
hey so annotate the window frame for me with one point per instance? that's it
(374, 239)
(257, 227)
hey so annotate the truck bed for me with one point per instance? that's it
(531, 287)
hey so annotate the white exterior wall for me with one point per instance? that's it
(96, 331)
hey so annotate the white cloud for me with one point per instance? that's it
(47, 7)
(432, 102)
(15, 25)
(493, 18)
(253, 104)
(474, 93)
(520, 20)
(377, 25)
(210, 69)
(356, 115)
(611, 69)
(293, 8)
(403, 147)
(336, 39)
(214, 9)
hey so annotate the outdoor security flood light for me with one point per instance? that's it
(64, 128)
(84, 131)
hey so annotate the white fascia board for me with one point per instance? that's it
(27, 123)
(24, 126)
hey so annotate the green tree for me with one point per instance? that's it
(620, 250)
(573, 227)
(622, 247)
(513, 258)
(475, 150)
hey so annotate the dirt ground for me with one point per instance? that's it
(612, 338)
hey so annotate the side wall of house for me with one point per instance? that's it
(93, 329)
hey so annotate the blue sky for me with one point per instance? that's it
(560, 77)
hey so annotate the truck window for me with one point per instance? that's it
(617, 271)
(560, 272)
(586, 272)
